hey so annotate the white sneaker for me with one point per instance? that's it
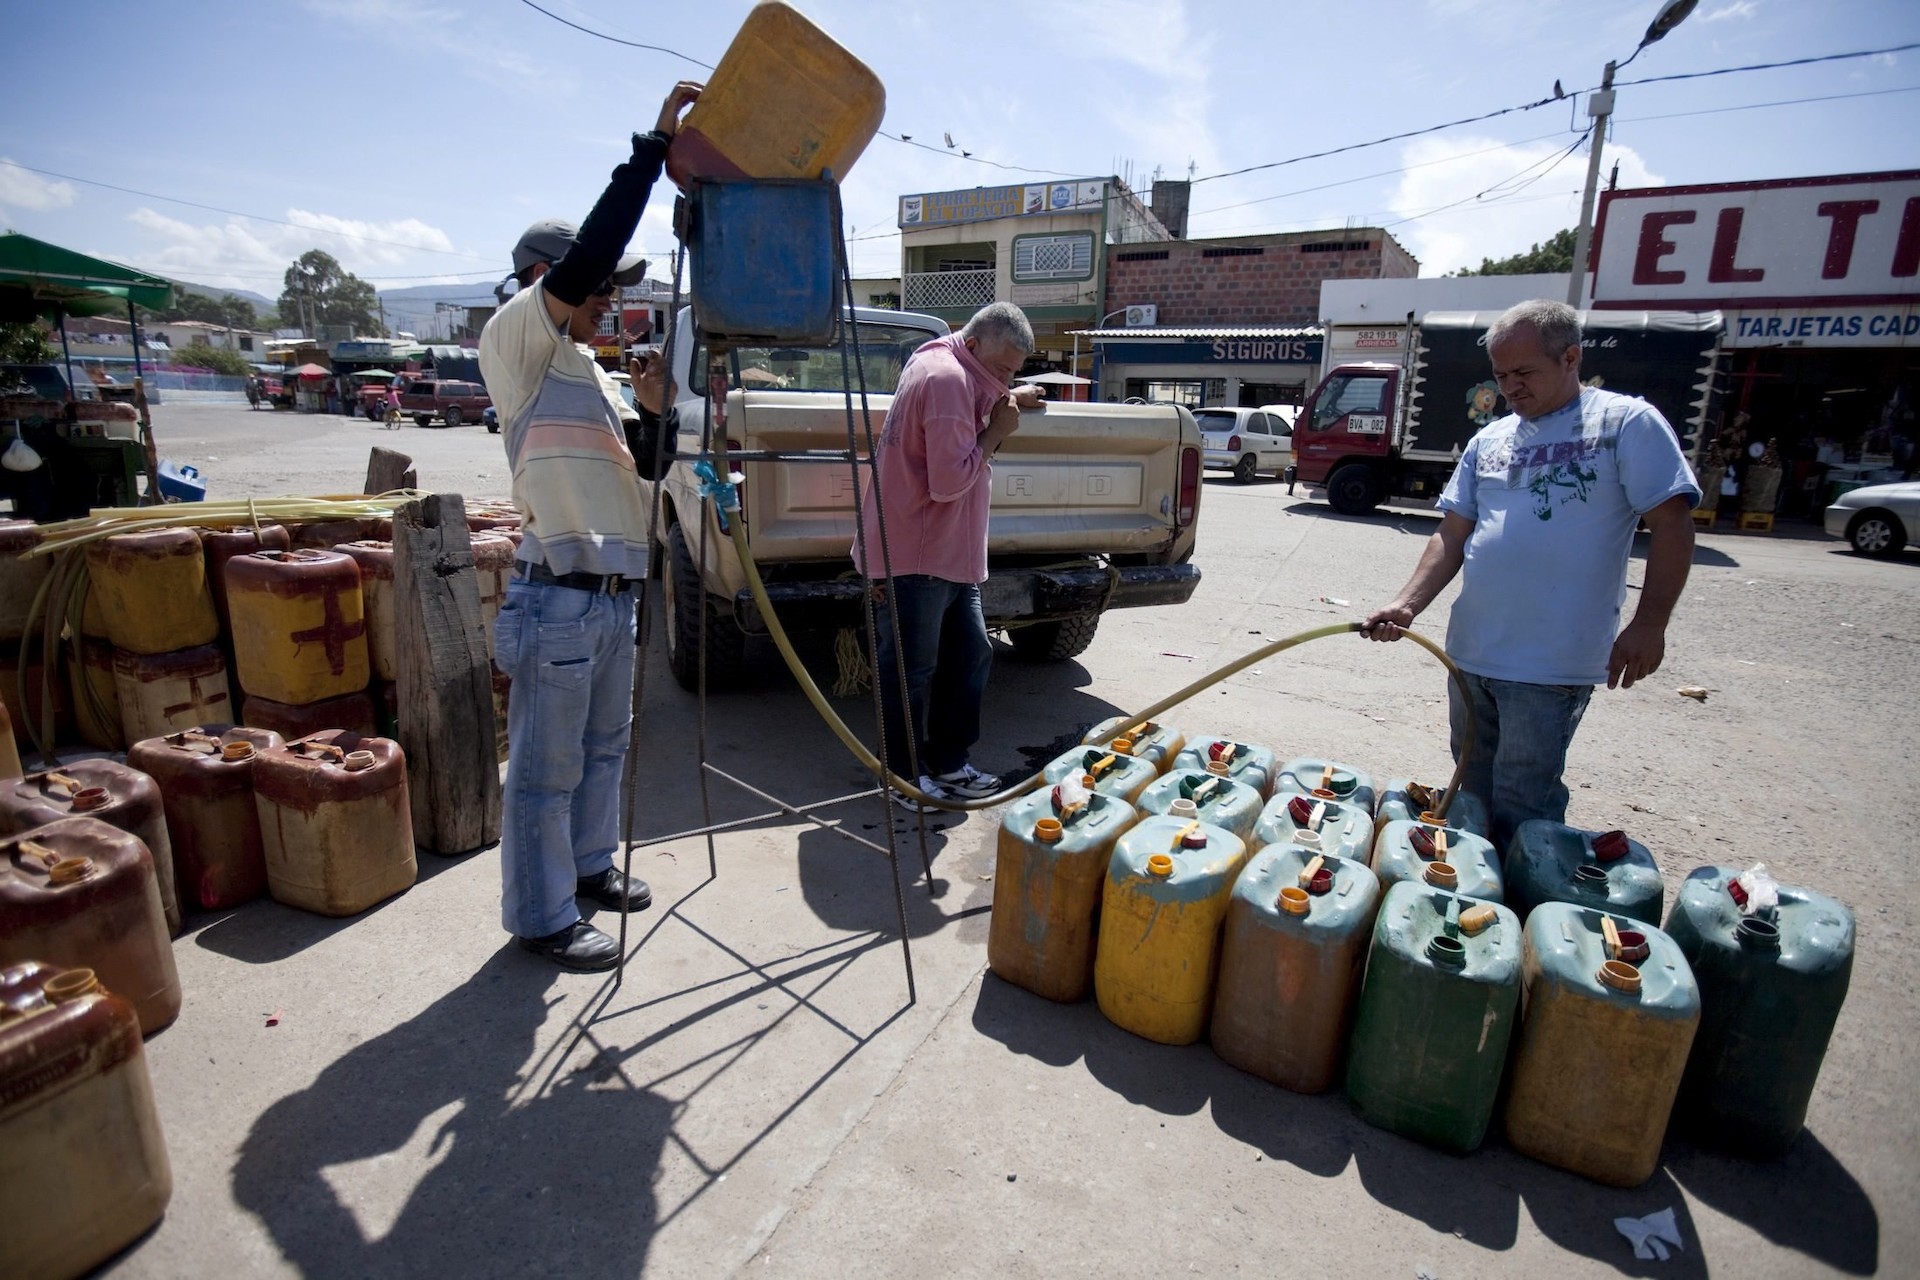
(966, 783)
(931, 789)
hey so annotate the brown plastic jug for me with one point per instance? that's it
(83, 1167)
(335, 822)
(222, 545)
(81, 893)
(162, 692)
(375, 560)
(205, 776)
(103, 789)
(151, 589)
(299, 625)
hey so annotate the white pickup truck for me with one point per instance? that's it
(1094, 505)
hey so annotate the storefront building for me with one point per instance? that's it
(1819, 280)
(1196, 367)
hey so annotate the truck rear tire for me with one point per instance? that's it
(1054, 641)
(686, 601)
(1247, 470)
(1354, 490)
(453, 415)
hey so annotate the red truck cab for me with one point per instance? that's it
(1347, 435)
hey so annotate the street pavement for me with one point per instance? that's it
(405, 1092)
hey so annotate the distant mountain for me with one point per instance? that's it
(261, 303)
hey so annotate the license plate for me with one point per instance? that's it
(1367, 424)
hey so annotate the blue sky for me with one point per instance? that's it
(414, 139)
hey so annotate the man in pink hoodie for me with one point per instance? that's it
(934, 466)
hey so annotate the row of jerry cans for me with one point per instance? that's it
(1179, 931)
(97, 860)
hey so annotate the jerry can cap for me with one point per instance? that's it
(87, 799)
(71, 985)
(1620, 976)
(1048, 830)
(358, 760)
(237, 751)
(1160, 864)
(1294, 900)
(1441, 875)
(1756, 934)
(1475, 919)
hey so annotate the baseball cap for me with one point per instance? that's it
(548, 241)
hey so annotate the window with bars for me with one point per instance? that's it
(1063, 257)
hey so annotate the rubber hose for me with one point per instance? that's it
(865, 757)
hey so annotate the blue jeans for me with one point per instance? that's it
(570, 656)
(944, 636)
(1521, 735)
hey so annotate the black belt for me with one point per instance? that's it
(599, 583)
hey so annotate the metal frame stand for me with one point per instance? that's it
(714, 451)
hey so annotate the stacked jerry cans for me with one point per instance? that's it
(150, 597)
(300, 641)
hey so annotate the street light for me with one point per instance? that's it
(1599, 108)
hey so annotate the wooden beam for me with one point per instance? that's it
(389, 469)
(445, 685)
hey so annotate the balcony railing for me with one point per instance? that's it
(937, 290)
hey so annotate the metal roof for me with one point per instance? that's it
(1147, 332)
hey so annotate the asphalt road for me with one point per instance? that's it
(760, 1095)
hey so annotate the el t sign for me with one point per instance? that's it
(1851, 240)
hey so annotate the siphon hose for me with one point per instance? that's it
(860, 752)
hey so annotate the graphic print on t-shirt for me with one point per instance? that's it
(1555, 473)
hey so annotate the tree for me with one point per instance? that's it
(24, 342)
(320, 292)
(1555, 255)
(219, 359)
(228, 309)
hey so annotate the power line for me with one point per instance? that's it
(972, 159)
(631, 44)
(1384, 173)
(1755, 106)
(1771, 66)
(236, 213)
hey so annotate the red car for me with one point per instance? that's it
(453, 403)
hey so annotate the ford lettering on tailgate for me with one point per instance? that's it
(1031, 482)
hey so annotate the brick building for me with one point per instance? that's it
(1249, 280)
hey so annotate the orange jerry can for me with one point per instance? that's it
(151, 588)
(205, 776)
(1050, 868)
(299, 625)
(83, 1166)
(336, 825)
(81, 893)
(105, 789)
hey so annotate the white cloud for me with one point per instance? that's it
(1458, 230)
(1738, 9)
(419, 24)
(244, 254)
(24, 189)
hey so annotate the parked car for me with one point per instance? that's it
(453, 403)
(490, 417)
(1247, 441)
(47, 382)
(1878, 520)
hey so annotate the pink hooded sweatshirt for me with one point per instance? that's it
(935, 480)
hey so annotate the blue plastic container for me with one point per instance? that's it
(1552, 862)
(1406, 850)
(1327, 779)
(1317, 826)
(763, 260)
(181, 483)
(1405, 801)
(1229, 805)
(1243, 761)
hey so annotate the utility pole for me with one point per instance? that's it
(1599, 108)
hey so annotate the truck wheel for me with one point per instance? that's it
(1354, 490)
(1054, 641)
(422, 420)
(685, 601)
(453, 415)
(1247, 470)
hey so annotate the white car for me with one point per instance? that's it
(1247, 441)
(1878, 520)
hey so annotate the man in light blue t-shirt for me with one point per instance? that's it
(1540, 515)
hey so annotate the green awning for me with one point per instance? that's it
(41, 279)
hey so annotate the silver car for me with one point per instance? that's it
(1247, 441)
(1878, 520)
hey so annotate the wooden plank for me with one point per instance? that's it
(445, 685)
(389, 469)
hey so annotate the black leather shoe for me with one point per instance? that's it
(579, 947)
(610, 889)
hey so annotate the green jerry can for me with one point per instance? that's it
(1326, 780)
(1407, 801)
(1152, 741)
(1241, 761)
(1160, 916)
(1290, 965)
(1552, 862)
(1048, 875)
(1771, 987)
(1318, 826)
(1406, 849)
(1231, 805)
(1435, 1014)
(1608, 1009)
(1107, 771)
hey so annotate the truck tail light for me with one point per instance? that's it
(1233, 444)
(1188, 504)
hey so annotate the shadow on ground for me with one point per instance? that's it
(1806, 1201)
(527, 1171)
